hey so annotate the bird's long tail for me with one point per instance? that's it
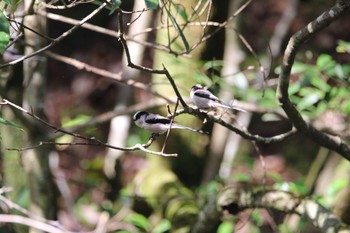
(176, 126)
(231, 107)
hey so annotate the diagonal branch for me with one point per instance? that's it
(89, 140)
(341, 8)
(58, 39)
(163, 71)
(104, 73)
(26, 221)
(242, 132)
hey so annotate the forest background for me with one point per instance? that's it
(73, 73)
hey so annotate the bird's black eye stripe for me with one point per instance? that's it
(138, 115)
(197, 87)
(200, 94)
(158, 120)
(207, 96)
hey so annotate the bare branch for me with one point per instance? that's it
(164, 71)
(104, 73)
(66, 6)
(107, 116)
(242, 132)
(18, 219)
(166, 48)
(90, 141)
(58, 39)
(340, 9)
(171, 122)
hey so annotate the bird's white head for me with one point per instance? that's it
(196, 87)
(139, 116)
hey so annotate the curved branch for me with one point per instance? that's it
(341, 8)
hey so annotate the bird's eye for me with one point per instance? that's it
(138, 115)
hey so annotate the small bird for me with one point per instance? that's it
(157, 123)
(204, 99)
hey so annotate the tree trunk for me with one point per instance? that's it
(36, 161)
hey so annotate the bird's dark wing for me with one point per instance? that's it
(157, 119)
(206, 95)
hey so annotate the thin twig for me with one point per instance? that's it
(164, 71)
(155, 45)
(90, 141)
(104, 73)
(171, 122)
(66, 6)
(58, 39)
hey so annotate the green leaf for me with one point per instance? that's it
(114, 5)
(340, 72)
(343, 47)
(178, 29)
(9, 5)
(78, 120)
(275, 176)
(180, 9)
(257, 217)
(138, 220)
(301, 187)
(4, 32)
(202, 78)
(294, 88)
(285, 229)
(299, 67)
(295, 187)
(336, 186)
(163, 226)
(254, 229)
(9, 123)
(225, 227)
(323, 60)
(242, 177)
(215, 65)
(309, 100)
(320, 84)
(346, 107)
(152, 4)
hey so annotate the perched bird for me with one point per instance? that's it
(204, 99)
(157, 123)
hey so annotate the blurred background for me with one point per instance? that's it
(82, 83)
